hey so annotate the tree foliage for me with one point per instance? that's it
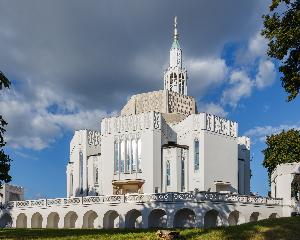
(4, 158)
(281, 148)
(282, 29)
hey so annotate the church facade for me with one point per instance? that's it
(160, 163)
(160, 143)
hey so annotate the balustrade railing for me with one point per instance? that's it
(154, 197)
(144, 198)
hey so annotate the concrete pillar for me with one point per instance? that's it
(145, 215)
(29, 221)
(199, 220)
(260, 217)
(99, 221)
(96, 222)
(170, 218)
(14, 222)
(79, 221)
(61, 221)
(222, 218)
(242, 219)
(44, 221)
(122, 221)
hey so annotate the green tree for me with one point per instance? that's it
(281, 148)
(282, 29)
(4, 158)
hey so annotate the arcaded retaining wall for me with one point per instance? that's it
(167, 210)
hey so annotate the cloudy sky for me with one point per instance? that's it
(73, 62)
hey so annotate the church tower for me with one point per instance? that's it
(175, 77)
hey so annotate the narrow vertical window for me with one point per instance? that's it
(139, 155)
(182, 170)
(71, 184)
(96, 175)
(116, 157)
(196, 156)
(133, 155)
(168, 173)
(123, 156)
(87, 179)
(81, 172)
(128, 156)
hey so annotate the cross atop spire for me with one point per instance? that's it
(175, 28)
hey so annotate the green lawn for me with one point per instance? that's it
(272, 229)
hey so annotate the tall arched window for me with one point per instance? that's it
(139, 155)
(196, 155)
(173, 76)
(182, 170)
(81, 171)
(168, 173)
(116, 157)
(128, 156)
(133, 155)
(96, 175)
(71, 185)
(123, 156)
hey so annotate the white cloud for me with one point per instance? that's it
(212, 108)
(54, 68)
(266, 74)
(257, 46)
(80, 120)
(241, 86)
(205, 73)
(26, 156)
(260, 132)
(31, 125)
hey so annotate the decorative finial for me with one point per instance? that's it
(175, 28)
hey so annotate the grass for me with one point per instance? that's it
(270, 229)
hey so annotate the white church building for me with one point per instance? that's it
(160, 163)
(160, 143)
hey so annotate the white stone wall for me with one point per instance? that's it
(176, 157)
(163, 101)
(200, 209)
(147, 127)
(281, 183)
(145, 102)
(218, 154)
(182, 104)
(87, 143)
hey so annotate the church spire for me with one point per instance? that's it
(176, 35)
(175, 77)
(175, 28)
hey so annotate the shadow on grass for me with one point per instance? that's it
(270, 229)
(23, 233)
